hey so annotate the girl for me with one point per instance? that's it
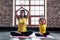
(22, 30)
(42, 28)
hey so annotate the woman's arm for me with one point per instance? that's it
(27, 13)
(19, 9)
(17, 16)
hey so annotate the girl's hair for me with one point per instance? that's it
(41, 19)
(24, 13)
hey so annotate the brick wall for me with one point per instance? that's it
(53, 13)
(6, 12)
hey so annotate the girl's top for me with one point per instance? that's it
(42, 28)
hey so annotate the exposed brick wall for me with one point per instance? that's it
(53, 13)
(6, 12)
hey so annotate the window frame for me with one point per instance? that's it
(29, 22)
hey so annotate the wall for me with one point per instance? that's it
(53, 13)
(6, 12)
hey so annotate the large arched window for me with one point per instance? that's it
(36, 9)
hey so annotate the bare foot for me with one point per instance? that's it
(18, 32)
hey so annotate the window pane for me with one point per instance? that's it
(17, 7)
(41, 12)
(26, 7)
(41, 7)
(19, 2)
(32, 12)
(34, 20)
(32, 8)
(26, 2)
(37, 2)
(32, 2)
(37, 10)
(41, 2)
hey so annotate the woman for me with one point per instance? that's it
(22, 19)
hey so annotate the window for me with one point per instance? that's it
(34, 20)
(37, 10)
(35, 7)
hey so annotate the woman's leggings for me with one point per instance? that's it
(22, 33)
